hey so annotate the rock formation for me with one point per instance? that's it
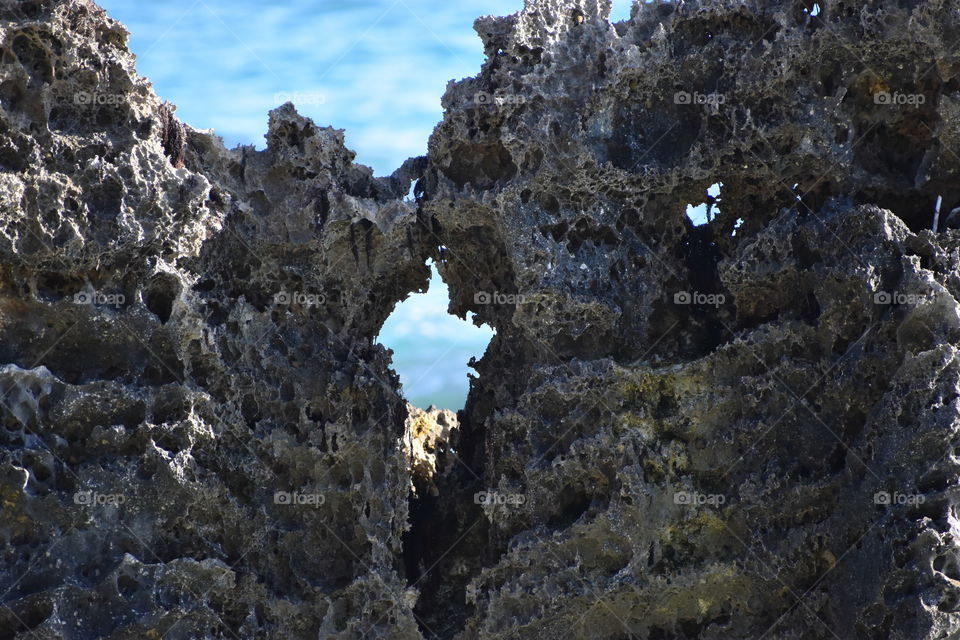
(739, 429)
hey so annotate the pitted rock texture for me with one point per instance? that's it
(428, 440)
(705, 421)
(742, 429)
(200, 436)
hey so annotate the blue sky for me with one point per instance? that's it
(375, 68)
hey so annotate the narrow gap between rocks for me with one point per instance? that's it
(432, 352)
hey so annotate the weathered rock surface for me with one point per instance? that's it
(741, 429)
(188, 353)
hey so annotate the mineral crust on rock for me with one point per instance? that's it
(746, 428)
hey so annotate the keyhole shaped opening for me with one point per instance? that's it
(431, 348)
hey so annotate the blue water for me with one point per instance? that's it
(376, 68)
(431, 348)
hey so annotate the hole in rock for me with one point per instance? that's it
(159, 296)
(431, 348)
(737, 225)
(620, 10)
(708, 208)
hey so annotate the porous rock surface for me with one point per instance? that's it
(745, 428)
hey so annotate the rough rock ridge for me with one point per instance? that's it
(745, 428)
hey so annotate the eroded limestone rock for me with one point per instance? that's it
(200, 434)
(428, 437)
(741, 429)
(721, 431)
